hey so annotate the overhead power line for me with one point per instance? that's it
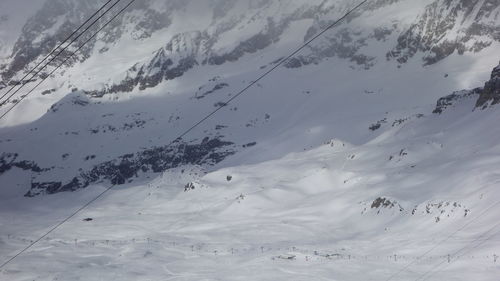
(54, 57)
(281, 62)
(443, 241)
(432, 271)
(68, 57)
(52, 229)
(53, 51)
(192, 127)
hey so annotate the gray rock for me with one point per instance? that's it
(127, 167)
(490, 94)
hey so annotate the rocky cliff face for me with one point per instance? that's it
(443, 28)
(486, 96)
(490, 94)
(447, 27)
(127, 167)
(57, 19)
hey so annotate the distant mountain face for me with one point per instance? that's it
(57, 19)
(108, 115)
(448, 26)
(13, 16)
(435, 29)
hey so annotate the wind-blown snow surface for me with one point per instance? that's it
(337, 212)
(286, 202)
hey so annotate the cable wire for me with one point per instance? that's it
(55, 227)
(59, 53)
(53, 51)
(187, 131)
(272, 69)
(443, 241)
(67, 58)
(432, 270)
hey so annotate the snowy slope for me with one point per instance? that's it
(340, 211)
(339, 165)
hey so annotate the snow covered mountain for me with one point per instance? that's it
(423, 193)
(378, 138)
(170, 62)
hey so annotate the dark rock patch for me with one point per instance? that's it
(156, 160)
(491, 91)
(250, 144)
(217, 87)
(450, 100)
(10, 160)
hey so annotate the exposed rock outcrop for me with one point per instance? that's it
(449, 100)
(126, 167)
(472, 23)
(490, 94)
(486, 96)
